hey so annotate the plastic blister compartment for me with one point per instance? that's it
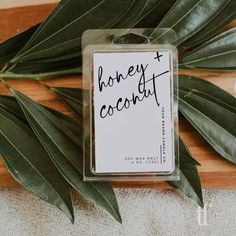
(114, 63)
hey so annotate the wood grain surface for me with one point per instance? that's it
(4, 4)
(215, 172)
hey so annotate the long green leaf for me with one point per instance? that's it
(11, 47)
(218, 54)
(207, 90)
(73, 18)
(55, 13)
(72, 97)
(66, 154)
(30, 165)
(210, 30)
(211, 118)
(187, 17)
(10, 105)
(64, 9)
(48, 65)
(145, 13)
(73, 54)
(153, 13)
(189, 182)
(72, 128)
(131, 17)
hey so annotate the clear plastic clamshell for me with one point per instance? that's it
(130, 100)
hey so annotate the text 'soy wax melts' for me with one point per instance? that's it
(130, 112)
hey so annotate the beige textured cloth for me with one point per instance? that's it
(145, 212)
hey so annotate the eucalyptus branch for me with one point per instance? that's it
(209, 109)
(10, 75)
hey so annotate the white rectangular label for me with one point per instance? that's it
(133, 112)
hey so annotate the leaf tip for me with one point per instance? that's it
(119, 219)
(72, 219)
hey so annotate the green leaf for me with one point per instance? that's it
(66, 154)
(189, 182)
(153, 12)
(187, 17)
(10, 47)
(53, 23)
(72, 128)
(185, 154)
(30, 165)
(73, 97)
(218, 54)
(145, 13)
(66, 25)
(44, 27)
(207, 90)
(49, 65)
(10, 105)
(131, 17)
(210, 30)
(214, 120)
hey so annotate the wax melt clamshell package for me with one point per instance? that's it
(130, 105)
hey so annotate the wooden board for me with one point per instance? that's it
(214, 171)
(4, 4)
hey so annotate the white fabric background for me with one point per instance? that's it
(145, 212)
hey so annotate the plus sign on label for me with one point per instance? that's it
(158, 56)
(133, 116)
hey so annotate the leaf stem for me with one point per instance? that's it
(10, 75)
(4, 68)
(7, 86)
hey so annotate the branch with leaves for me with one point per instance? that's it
(42, 148)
